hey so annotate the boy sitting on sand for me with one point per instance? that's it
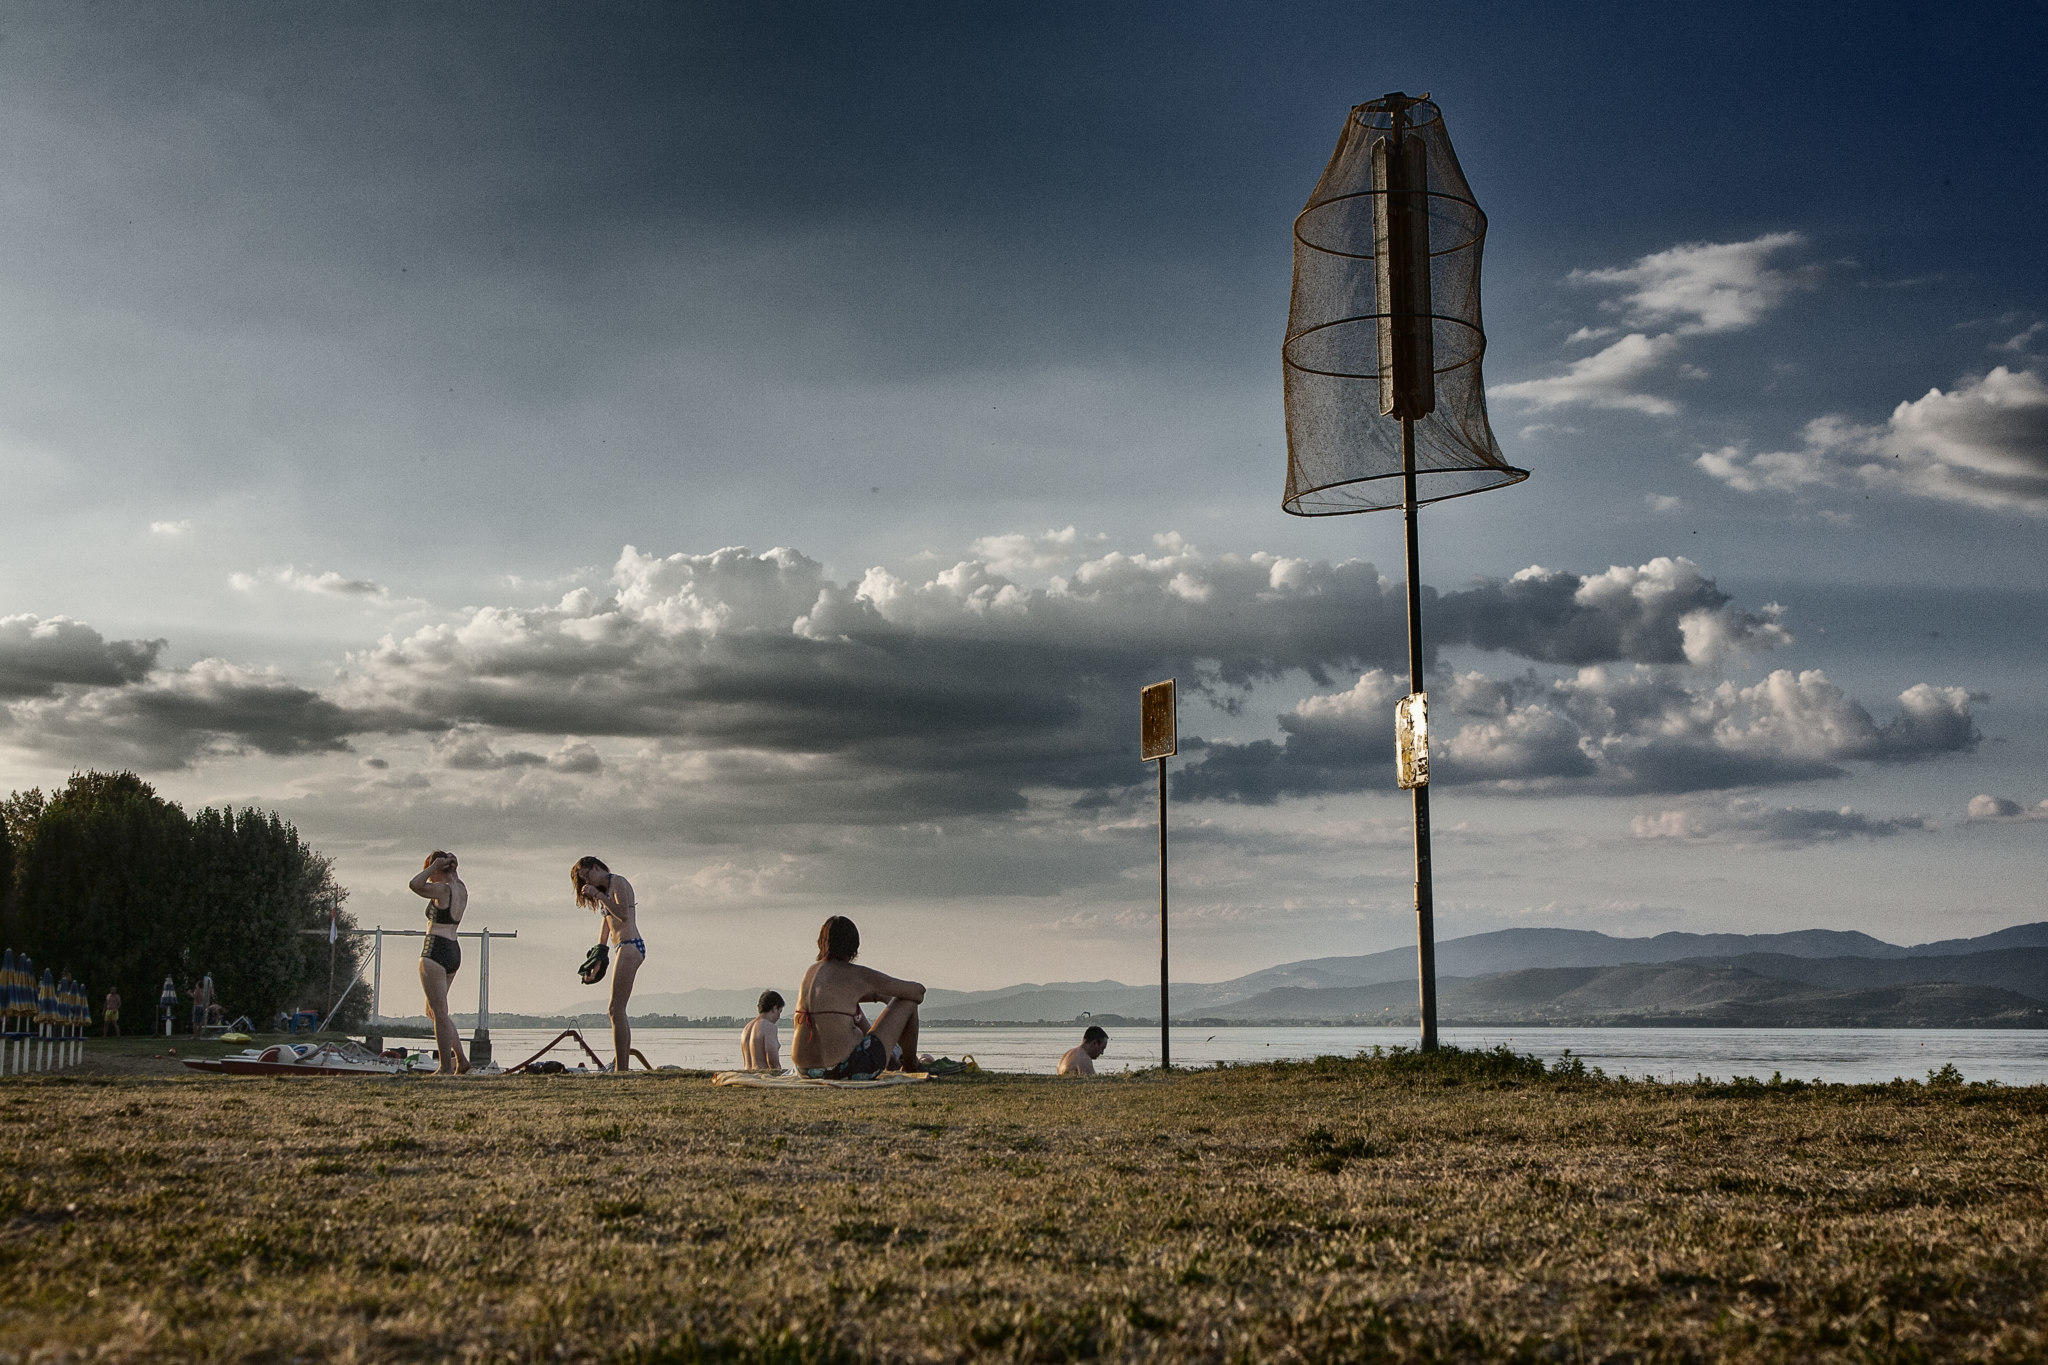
(761, 1041)
(1080, 1061)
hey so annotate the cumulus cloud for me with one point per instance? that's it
(40, 654)
(1983, 443)
(1691, 290)
(1747, 820)
(327, 584)
(2003, 808)
(964, 690)
(1662, 612)
(1600, 731)
(170, 528)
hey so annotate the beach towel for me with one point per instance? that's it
(789, 1080)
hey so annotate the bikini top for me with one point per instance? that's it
(859, 1017)
(442, 914)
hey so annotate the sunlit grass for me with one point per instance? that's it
(1467, 1207)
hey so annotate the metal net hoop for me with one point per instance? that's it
(1344, 449)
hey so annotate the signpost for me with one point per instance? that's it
(1156, 743)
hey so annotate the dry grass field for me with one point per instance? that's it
(1466, 1209)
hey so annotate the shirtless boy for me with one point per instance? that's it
(1080, 1061)
(761, 1041)
(834, 1039)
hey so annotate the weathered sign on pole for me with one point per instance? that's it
(1157, 743)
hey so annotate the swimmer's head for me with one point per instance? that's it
(1095, 1041)
(770, 1000)
(838, 940)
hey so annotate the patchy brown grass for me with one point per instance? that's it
(1393, 1209)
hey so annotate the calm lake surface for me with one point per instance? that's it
(2012, 1057)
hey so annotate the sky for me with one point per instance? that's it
(768, 446)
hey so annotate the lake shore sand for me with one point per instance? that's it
(1470, 1207)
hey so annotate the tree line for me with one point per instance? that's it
(110, 881)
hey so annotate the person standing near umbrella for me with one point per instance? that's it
(110, 1015)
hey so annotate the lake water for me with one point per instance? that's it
(2012, 1057)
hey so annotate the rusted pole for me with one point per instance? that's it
(1425, 898)
(1165, 1030)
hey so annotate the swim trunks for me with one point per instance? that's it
(864, 1063)
(444, 951)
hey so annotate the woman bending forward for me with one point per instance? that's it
(605, 891)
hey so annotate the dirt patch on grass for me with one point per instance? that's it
(1337, 1210)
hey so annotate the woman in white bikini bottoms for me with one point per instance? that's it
(441, 957)
(605, 891)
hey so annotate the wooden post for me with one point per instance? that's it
(1425, 894)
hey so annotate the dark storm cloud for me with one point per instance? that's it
(173, 718)
(1601, 731)
(37, 656)
(969, 688)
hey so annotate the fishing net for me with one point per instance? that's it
(1379, 330)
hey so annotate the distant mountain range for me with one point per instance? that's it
(1808, 978)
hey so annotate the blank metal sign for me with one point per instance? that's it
(1156, 722)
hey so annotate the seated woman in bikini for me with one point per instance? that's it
(834, 1040)
(441, 956)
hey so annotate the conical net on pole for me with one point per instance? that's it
(1367, 345)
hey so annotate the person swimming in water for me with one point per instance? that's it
(441, 955)
(605, 891)
(834, 1039)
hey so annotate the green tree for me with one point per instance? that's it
(122, 887)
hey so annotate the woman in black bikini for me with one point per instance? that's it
(598, 887)
(833, 1037)
(441, 956)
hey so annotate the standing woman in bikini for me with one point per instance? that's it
(605, 891)
(441, 956)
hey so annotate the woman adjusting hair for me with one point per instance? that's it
(441, 956)
(611, 895)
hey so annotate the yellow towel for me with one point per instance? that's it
(790, 1080)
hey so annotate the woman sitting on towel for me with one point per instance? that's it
(834, 1040)
(604, 890)
(441, 955)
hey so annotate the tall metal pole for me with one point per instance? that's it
(377, 979)
(1425, 897)
(1165, 1031)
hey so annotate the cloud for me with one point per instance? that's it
(172, 718)
(2023, 343)
(1695, 289)
(2004, 808)
(797, 696)
(1600, 731)
(38, 655)
(1746, 820)
(327, 584)
(1983, 443)
(1662, 503)
(1609, 378)
(1702, 287)
(1662, 612)
(170, 528)
(469, 748)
